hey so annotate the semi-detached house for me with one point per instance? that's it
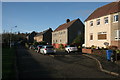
(44, 36)
(67, 32)
(103, 26)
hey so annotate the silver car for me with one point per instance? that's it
(71, 48)
(47, 49)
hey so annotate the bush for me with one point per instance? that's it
(61, 46)
(112, 47)
(26, 45)
(42, 43)
(93, 47)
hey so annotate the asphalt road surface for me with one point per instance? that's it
(32, 65)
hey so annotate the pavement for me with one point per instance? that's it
(107, 65)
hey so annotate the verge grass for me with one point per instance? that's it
(8, 63)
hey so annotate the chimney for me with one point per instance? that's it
(67, 20)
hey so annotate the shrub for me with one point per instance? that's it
(26, 45)
(42, 43)
(93, 47)
(61, 46)
(112, 47)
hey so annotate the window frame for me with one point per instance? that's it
(91, 23)
(102, 33)
(106, 18)
(117, 37)
(115, 19)
(91, 35)
(98, 22)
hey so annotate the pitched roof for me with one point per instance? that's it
(65, 25)
(41, 33)
(105, 10)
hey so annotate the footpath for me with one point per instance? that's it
(107, 66)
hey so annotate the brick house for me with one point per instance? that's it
(67, 32)
(44, 36)
(103, 26)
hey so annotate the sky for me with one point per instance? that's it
(39, 16)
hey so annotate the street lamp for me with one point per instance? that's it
(11, 36)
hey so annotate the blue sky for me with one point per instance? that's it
(39, 16)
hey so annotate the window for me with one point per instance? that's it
(98, 22)
(60, 40)
(91, 36)
(91, 23)
(106, 20)
(55, 34)
(115, 19)
(117, 34)
(102, 35)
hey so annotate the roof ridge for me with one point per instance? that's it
(105, 10)
(65, 25)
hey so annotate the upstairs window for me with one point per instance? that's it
(115, 19)
(102, 35)
(91, 23)
(98, 22)
(106, 20)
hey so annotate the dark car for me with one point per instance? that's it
(38, 48)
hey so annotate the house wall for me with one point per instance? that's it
(109, 28)
(115, 26)
(38, 38)
(74, 30)
(60, 37)
(30, 38)
(47, 37)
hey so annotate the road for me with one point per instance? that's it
(32, 65)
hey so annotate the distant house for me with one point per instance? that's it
(103, 26)
(67, 32)
(44, 36)
(30, 37)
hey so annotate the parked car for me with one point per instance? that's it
(71, 48)
(39, 47)
(46, 49)
(32, 47)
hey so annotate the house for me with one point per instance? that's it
(30, 37)
(67, 32)
(102, 27)
(44, 36)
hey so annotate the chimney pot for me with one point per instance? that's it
(68, 20)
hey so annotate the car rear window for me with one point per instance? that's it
(72, 46)
(49, 47)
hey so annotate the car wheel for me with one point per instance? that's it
(68, 51)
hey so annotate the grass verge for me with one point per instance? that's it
(8, 63)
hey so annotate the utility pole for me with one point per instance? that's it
(11, 36)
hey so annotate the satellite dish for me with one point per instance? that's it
(106, 43)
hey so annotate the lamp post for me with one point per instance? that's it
(11, 36)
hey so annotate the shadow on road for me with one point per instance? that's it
(28, 67)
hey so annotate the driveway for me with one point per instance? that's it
(32, 65)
